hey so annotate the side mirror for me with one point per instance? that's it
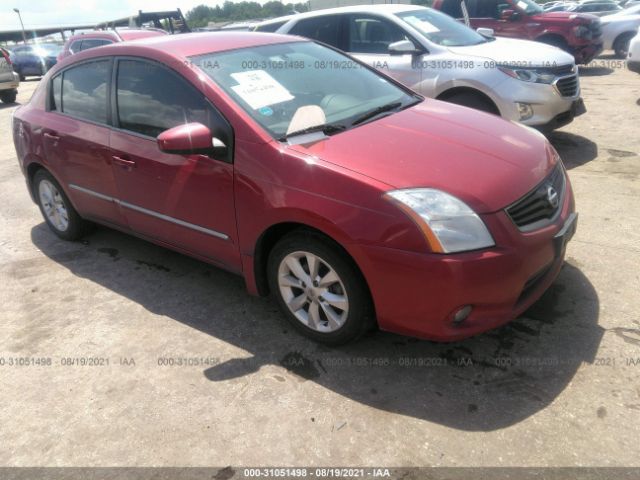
(403, 47)
(486, 32)
(192, 138)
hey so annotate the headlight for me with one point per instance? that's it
(448, 224)
(529, 74)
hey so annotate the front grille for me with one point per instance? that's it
(568, 86)
(562, 69)
(536, 208)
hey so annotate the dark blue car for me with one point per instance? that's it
(34, 60)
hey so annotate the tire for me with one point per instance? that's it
(55, 206)
(473, 100)
(9, 96)
(621, 44)
(343, 307)
(22, 77)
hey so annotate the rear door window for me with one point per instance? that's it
(94, 42)
(84, 91)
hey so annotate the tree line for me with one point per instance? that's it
(201, 15)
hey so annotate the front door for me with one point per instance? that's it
(368, 40)
(182, 200)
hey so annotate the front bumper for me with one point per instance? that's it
(417, 294)
(585, 53)
(545, 100)
(11, 84)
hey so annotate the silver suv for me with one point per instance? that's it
(430, 52)
(9, 79)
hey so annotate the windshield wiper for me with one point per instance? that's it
(326, 128)
(377, 111)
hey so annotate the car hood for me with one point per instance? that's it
(615, 19)
(505, 50)
(583, 18)
(487, 162)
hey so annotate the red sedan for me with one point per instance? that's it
(350, 198)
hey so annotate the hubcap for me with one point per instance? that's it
(313, 291)
(53, 205)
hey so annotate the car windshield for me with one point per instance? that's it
(441, 29)
(528, 6)
(293, 87)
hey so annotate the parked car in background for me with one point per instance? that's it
(596, 8)
(98, 38)
(578, 34)
(633, 57)
(9, 80)
(440, 58)
(35, 59)
(633, 10)
(343, 193)
(560, 7)
(617, 32)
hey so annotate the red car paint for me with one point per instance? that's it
(557, 28)
(334, 185)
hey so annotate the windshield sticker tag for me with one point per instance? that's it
(423, 25)
(259, 89)
(522, 5)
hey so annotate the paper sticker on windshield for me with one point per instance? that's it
(259, 89)
(522, 5)
(423, 25)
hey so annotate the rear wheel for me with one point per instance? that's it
(473, 100)
(621, 44)
(56, 208)
(319, 289)
(8, 96)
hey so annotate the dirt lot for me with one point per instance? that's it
(558, 387)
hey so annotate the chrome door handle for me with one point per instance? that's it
(123, 162)
(51, 136)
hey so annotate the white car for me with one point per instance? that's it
(633, 58)
(617, 31)
(430, 52)
(9, 80)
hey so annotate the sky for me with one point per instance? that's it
(44, 13)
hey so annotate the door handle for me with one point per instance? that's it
(51, 136)
(123, 162)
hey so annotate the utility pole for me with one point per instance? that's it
(24, 35)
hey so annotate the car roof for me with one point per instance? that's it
(378, 8)
(119, 34)
(192, 44)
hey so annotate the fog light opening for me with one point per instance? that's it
(524, 110)
(461, 314)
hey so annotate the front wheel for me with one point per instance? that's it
(56, 208)
(473, 100)
(9, 96)
(621, 45)
(319, 289)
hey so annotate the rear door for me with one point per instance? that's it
(75, 138)
(183, 200)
